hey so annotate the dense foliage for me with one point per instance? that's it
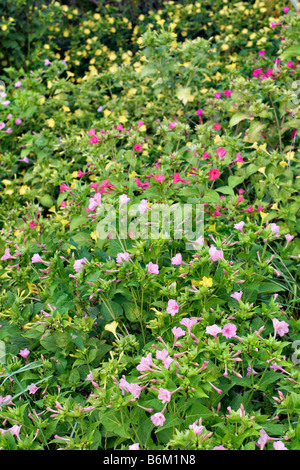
(136, 342)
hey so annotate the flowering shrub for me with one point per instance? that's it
(117, 339)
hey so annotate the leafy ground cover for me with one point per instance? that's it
(111, 342)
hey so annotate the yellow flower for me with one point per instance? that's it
(106, 112)
(94, 235)
(111, 327)
(50, 122)
(206, 282)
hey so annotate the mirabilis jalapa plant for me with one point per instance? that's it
(143, 344)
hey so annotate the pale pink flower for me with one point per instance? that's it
(146, 364)
(279, 445)
(123, 199)
(280, 327)
(288, 238)
(163, 356)
(152, 268)
(122, 257)
(37, 259)
(172, 307)
(7, 255)
(274, 228)
(158, 419)
(79, 264)
(95, 202)
(213, 330)
(215, 254)
(32, 389)
(24, 353)
(18, 84)
(15, 430)
(240, 226)
(177, 332)
(229, 330)
(134, 446)
(177, 259)
(219, 448)
(237, 296)
(143, 206)
(172, 125)
(196, 428)
(189, 322)
(164, 395)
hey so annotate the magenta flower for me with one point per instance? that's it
(221, 152)
(164, 395)
(237, 296)
(227, 92)
(199, 112)
(280, 327)
(213, 174)
(217, 126)
(138, 147)
(218, 95)
(285, 10)
(152, 268)
(172, 307)
(177, 178)
(93, 140)
(213, 330)
(177, 259)
(18, 121)
(229, 330)
(158, 419)
(172, 125)
(159, 178)
(140, 123)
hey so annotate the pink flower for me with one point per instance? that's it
(24, 353)
(196, 428)
(172, 125)
(93, 140)
(172, 307)
(262, 54)
(92, 132)
(177, 332)
(79, 264)
(215, 254)
(199, 112)
(219, 448)
(227, 92)
(229, 330)
(213, 330)
(188, 323)
(15, 430)
(285, 10)
(177, 259)
(237, 296)
(146, 364)
(95, 201)
(32, 224)
(7, 255)
(140, 123)
(32, 389)
(158, 419)
(37, 259)
(143, 206)
(159, 178)
(274, 228)
(163, 356)
(18, 84)
(239, 226)
(218, 95)
(279, 445)
(122, 257)
(221, 152)
(164, 395)
(213, 174)
(280, 327)
(134, 446)
(152, 268)
(288, 238)
(217, 126)
(123, 199)
(177, 178)
(290, 64)
(138, 147)
(18, 121)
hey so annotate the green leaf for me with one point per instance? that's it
(292, 51)
(234, 181)
(254, 131)
(238, 117)
(46, 200)
(225, 190)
